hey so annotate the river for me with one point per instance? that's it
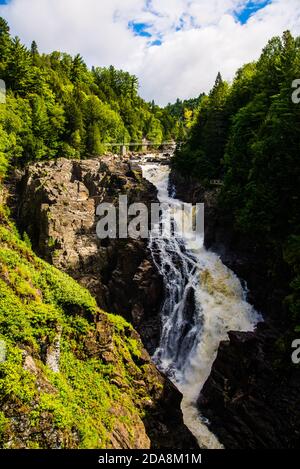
(203, 301)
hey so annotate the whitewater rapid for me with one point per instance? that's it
(203, 301)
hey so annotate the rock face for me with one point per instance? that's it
(186, 187)
(57, 203)
(157, 398)
(57, 209)
(253, 391)
(251, 400)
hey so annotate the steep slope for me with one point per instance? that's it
(72, 376)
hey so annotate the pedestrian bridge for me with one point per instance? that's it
(143, 146)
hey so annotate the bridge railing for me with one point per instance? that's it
(142, 145)
(139, 144)
(216, 182)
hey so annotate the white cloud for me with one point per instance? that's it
(90, 27)
(200, 37)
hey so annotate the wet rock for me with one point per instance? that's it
(250, 400)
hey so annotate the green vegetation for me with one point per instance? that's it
(80, 406)
(56, 107)
(248, 135)
(186, 113)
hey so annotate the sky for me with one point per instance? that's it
(175, 47)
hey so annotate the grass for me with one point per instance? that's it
(79, 405)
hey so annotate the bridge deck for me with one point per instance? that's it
(139, 144)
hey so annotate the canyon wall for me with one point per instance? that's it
(55, 204)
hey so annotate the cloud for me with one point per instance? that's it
(188, 60)
(93, 28)
(187, 41)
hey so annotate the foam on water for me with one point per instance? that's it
(203, 301)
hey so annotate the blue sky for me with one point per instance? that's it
(175, 47)
(144, 30)
(140, 29)
(241, 14)
(250, 9)
(155, 38)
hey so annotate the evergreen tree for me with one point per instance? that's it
(34, 49)
(5, 44)
(94, 147)
(248, 135)
(58, 107)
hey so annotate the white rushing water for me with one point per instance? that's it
(203, 301)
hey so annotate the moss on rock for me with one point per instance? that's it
(84, 404)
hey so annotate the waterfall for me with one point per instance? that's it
(203, 301)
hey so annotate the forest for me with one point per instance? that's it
(56, 106)
(247, 135)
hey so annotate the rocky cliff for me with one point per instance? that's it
(55, 208)
(73, 376)
(252, 396)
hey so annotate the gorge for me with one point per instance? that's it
(203, 301)
(56, 203)
(181, 340)
(179, 296)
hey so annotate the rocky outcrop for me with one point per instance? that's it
(186, 188)
(153, 394)
(252, 397)
(252, 394)
(57, 209)
(53, 352)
